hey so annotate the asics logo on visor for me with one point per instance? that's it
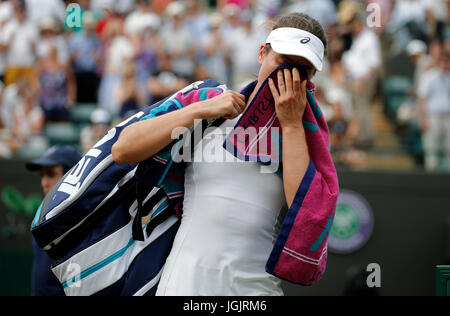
(305, 40)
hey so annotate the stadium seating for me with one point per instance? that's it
(395, 93)
(30, 153)
(62, 134)
(80, 114)
(395, 90)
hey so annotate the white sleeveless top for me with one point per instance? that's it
(230, 222)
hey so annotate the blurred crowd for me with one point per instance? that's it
(123, 55)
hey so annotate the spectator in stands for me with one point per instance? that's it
(196, 21)
(43, 9)
(229, 27)
(124, 7)
(100, 124)
(165, 81)
(18, 42)
(12, 95)
(140, 18)
(408, 22)
(417, 51)
(266, 10)
(86, 54)
(437, 14)
(6, 11)
(435, 51)
(178, 41)
(129, 93)
(407, 112)
(244, 45)
(57, 87)
(49, 29)
(21, 118)
(322, 10)
(217, 54)
(362, 62)
(434, 107)
(28, 121)
(343, 125)
(96, 6)
(57, 161)
(7, 143)
(231, 20)
(143, 25)
(149, 49)
(109, 18)
(334, 85)
(157, 36)
(119, 50)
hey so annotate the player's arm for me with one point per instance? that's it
(144, 139)
(290, 104)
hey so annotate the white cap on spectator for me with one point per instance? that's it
(100, 116)
(416, 47)
(47, 24)
(136, 24)
(293, 41)
(175, 9)
(89, 18)
(215, 19)
(150, 20)
(108, 5)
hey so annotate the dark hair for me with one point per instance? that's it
(303, 22)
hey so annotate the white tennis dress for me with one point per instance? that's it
(230, 222)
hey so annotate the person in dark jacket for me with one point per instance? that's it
(53, 165)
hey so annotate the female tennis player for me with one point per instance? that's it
(232, 211)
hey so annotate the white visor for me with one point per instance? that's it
(293, 41)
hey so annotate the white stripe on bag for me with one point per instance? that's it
(109, 273)
(150, 284)
(127, 177)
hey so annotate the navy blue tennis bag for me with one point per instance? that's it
(109, 227)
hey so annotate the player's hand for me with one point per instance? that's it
(290, 97)
(228, 105)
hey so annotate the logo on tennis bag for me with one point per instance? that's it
(115, 226)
